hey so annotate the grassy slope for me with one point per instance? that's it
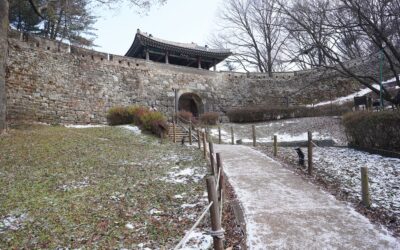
(40, 166)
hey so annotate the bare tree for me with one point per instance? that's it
(340, 30)
(253, 30)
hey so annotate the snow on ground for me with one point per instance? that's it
(75, 185)
(12, 222)
(347, 98)
(84, 126)
(350, 97)
(323, 128)
(198, 240)
(342, 166)
(134, 129)
(183, 176)
(284, 137)
(289, 138)
(282, 211)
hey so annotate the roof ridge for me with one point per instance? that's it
(191, 45)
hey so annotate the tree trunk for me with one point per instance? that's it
(3, 57)
(269, 62)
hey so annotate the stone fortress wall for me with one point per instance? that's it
(56, 83)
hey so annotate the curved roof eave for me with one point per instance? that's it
(143, 40)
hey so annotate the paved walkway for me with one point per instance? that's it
(282, 211)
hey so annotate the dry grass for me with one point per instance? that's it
(80, 188)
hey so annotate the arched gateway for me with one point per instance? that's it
(191, 102)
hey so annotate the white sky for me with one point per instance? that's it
(177, 20)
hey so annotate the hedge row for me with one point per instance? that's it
(260, 114)
(152, 121)
(375, 130)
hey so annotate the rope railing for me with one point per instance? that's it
(315, 144)
(218, 178)
(183, 120)
(185, 239)
(215, 197)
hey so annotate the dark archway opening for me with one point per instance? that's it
(192, 103)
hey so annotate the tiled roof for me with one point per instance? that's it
(143, 39)
(192, 45)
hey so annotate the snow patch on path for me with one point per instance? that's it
(282, 211)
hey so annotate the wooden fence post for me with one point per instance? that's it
(204, 145)
(219, 135)
(275, 145)
(219, 161)
(174, 128)
(214, 213)
(198, 139)
(221, 177)
(254, 135)
(364, 187)
(310, 153)
(232, 136)
(190, 133)
(211, 146)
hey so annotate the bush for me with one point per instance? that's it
(154, 122)
(149, 117)
(375, 130)
(158, 127)
(138, 114)
(118, 116)
(209, 118)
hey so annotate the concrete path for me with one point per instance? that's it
(283, 211)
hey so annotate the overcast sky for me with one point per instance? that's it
(177, 20)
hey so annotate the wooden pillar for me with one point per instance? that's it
(366, 199)
(174, 130)
(219, 135)
(254, 135)
(176, 104)
(232, 136)
(310, 153)
(190, 132)
(215, 66)
(204, 145)
(214, 212)
(212, 163)
(198, 139)
(167, 57)
(147, 55)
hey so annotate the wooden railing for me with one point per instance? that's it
(215, 189)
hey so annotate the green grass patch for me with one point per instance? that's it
(81, 187)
